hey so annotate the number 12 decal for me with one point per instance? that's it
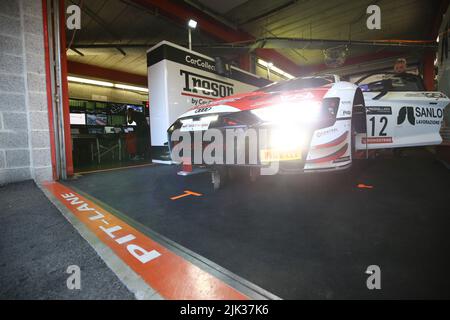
(384, 122)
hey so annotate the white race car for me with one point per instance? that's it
(400, 112)
(317, 123)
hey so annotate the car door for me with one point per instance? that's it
(401, 115)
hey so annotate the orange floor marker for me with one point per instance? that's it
(187, 193)
(364, 186)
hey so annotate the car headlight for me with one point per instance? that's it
(288, 113)
(287, 138)
(284, 143)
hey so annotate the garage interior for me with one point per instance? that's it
(306, 236)
(112, 51)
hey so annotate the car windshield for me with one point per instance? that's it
(297, 84)
(391, 82)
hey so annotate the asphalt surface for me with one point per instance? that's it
(304, 237)
(37, 244)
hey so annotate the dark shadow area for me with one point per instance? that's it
(307, 236)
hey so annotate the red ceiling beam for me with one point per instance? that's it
(182, 13)
(355, 60)
(87, 70)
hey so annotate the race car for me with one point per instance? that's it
(310, 124)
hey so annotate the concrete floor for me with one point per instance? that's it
(37, 244)
(298, 237)
(303, 236)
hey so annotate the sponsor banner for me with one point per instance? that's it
(431, 95)
(420, 115)
(169, 51)
(271, 155)
(195, 126)
(378, 110)
(180, 79)
(376, 140)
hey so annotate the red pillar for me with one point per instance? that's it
(65, 90)
(49, 90)
(244, 62)
(428, 70)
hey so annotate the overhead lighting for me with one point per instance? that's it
(289, 113)
(90, 81)
(106, 84)
(128, 87)
(192, 24)
(275, 69)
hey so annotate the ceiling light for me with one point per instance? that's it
(192, 24)
(106, 84)
(275, 69)
(90, 81)
(128, 87)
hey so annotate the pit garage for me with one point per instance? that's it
(357, 207)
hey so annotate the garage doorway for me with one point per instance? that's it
(100, 116)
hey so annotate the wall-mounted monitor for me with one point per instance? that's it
(117, 120)
(78, 118)
(98, 119)
(77, 106)
(101, 106)
(102, 119)
(135, 108)
(90, 106)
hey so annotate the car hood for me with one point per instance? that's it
(257, 99)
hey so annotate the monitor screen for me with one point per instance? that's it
(118, 108)
(100, 106)
(117, 120)
(78, 118)
(102, 119)
(90, 106)
(77, 106)
(135, 108)
(98, 119)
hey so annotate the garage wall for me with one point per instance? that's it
(90, 92)
(24, 131)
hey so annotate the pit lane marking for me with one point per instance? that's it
(170, 275)
(185, 194)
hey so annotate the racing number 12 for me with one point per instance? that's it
(383, 121)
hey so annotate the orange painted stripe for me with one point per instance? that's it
(169, 274)
(185, 194)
